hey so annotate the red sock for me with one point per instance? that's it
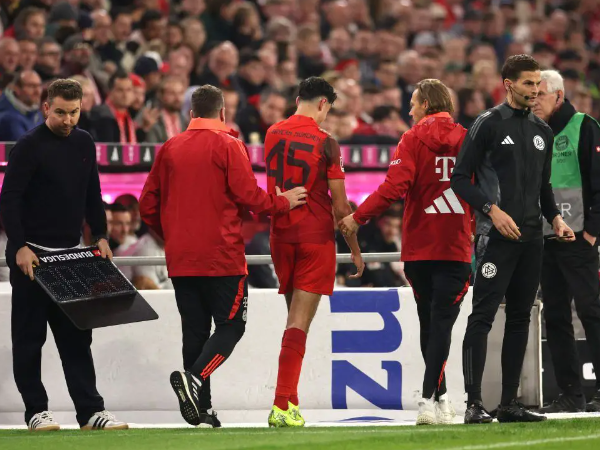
(290, 364)
(294, 399)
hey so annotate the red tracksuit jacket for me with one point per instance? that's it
(193, 197)
(436, 223)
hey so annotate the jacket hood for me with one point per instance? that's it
(439, 133)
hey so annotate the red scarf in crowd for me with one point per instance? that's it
(123, 119)
(172, 123)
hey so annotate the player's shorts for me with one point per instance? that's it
(308, 267)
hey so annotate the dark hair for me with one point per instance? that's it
(437, 95)
(213, 7)
(66, 89)
(207, 101)
(315, 87)
(24, 16)
(118, 207)
(383, 112)
(120, 74)
(115, 12)
(266, 93)
(516, 64)
(465, 95)
(151, 15)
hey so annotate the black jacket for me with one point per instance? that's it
(510, 153)
(589, 162)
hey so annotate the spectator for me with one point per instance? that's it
(87, 103)
(410, 73)
(20, 106)
(48, 61)
(148, 69)
(78, 57)
(231, 101)
(28, 53)
(386, 74)
(385, 238)
(194, 35)
(583, 101)
(130, 201)
(191, 9)
(386, 128)
(217, 20)
(31, 24)
(120, 238)
(251, 76)
(139, 95)
(254, 122)
(310, 61)
(112, 121)
(150, 277)
(222, 65)
(104, 45)
(171, 122)
(470, 104)
(173, 36)
(246, 30)
(339, 43)
(9, 59)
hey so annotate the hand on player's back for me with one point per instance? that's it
(295, 196)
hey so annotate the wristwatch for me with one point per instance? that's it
(487, 208)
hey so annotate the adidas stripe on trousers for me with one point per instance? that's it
(200, 300)
(505, 269)
(439, 288)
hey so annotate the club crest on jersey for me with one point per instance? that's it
(489, 270)
(539, 143)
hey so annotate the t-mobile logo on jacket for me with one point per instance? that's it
(444, 168)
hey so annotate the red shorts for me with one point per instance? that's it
(308, 267)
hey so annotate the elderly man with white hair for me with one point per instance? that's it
(570, 272)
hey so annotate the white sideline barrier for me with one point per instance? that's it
(133, 362)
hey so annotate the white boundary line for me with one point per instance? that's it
(527, 443)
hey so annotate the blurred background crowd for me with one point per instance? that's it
(139, 60)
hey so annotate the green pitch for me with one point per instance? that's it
(578, 434)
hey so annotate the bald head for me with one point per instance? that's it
(28, 88)
(223, 60)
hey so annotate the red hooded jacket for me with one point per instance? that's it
(436, 223)
(193, 198)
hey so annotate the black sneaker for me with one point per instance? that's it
(476, 413)
(565, 404)
(208, 419)
(516, 412)
(187, 388)
(594, 404)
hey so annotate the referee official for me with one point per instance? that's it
(570, 272)
(51, 166)
(508, 150)
(193, 199)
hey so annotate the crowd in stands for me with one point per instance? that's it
(139, 60)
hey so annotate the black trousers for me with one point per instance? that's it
(439, 288)
(32, 311)
(570, 272)
(201, 300)
(508, 270)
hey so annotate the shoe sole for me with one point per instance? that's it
(521, 421)
(46, 428)
(116, 428)
(479, 422)
(426, 420)
(188, 409)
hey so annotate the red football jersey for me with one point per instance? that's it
(299, 153)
